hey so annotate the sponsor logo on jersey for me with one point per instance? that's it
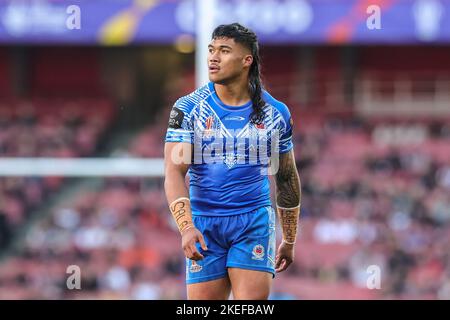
(209, 123)
(236, 118)
(176, 118)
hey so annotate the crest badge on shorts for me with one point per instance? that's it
(195, 267)
(258, 252)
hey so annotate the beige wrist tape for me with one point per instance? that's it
(289, 222)
(181, 212)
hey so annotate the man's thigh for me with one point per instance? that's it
(251, 257)
(213, 265)
(250, 284)
(218, 289)
(253, 247)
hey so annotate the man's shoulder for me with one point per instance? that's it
(188, 102)
(276, 104)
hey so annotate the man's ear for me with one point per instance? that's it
(248, 60)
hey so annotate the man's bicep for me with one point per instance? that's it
(177, 156)
(287, 181)
(286, 165)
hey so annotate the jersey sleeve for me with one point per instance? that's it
(180, 127)
(286, 123)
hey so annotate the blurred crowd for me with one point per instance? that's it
(376, 196)
(44, 128)
(118, 237)
(382, 191)
(375, 217)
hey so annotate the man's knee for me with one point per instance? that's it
(242, 294)
(210, 290)
(250, 284)
(207, 294)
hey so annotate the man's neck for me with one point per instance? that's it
(233, 94)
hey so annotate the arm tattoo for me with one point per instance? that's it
(181, 212)
(288, 196)
(288, 182)
(289, 223)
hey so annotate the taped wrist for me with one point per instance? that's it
(181, 212)
(289, 222)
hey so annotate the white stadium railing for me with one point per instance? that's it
(82, 167)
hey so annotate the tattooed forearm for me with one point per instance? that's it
(288, 182)
(289, 222)
(288, 196)
(181, 212)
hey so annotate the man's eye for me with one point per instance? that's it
(225, 51)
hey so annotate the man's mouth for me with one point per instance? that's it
(213, 69)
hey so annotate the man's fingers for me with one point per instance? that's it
(281, 265)
(202, 242)
(277, 262)
(284, 264)
(195, 254)
(197, 257)
(187, 252)
(190, 248)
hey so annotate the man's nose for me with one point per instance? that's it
(213, 57)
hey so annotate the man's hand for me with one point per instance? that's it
(189, 238)
(285, 256)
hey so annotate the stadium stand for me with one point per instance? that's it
(375, 192)
(45, 127)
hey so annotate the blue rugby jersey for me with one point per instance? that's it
(230, 159)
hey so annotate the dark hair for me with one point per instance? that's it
(248, 38)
